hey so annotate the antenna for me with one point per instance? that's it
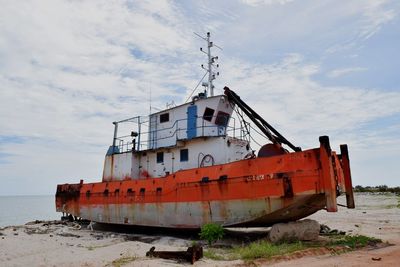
(210, 65)
(150, 98)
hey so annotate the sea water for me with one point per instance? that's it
(17, 210)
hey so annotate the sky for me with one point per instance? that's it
(310, 68)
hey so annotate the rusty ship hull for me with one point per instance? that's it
(250, 192)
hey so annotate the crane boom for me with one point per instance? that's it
(271, 133)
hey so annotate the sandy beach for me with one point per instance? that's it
(58, 243)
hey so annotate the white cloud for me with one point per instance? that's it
(266, 2)
(62, 57)
(372, 15)
(65, 70)
(287, 96)
(344, 71)
(376, 14)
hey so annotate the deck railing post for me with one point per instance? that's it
(139, 134)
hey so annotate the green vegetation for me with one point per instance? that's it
(255, 250)
(217, 254)
(266, 250)
(391, 206)
(356, 241)
(122, 261)
(211, 232)
(377, 189)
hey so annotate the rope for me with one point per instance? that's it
(196, 87)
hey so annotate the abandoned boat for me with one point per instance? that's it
(193, 164)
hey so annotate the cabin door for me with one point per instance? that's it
(152, 143)
(192, 121)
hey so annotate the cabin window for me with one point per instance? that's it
(164, 117)
(105, 193)
(222, 118)
(159, 190)
(160, 157)
(184, 155)
(208, 114)
(116, 192)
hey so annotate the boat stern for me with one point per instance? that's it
(67, 198)
(335, 174)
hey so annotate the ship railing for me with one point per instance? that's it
(139, 140)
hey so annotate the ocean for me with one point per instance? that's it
(17, 210)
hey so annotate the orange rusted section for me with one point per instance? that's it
(313, 172)
(244, 180)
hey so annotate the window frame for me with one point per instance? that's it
(160, 157)
(208, 114)
(184, 159)
(164, 117)
(219, 118)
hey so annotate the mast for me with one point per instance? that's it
(211, 76)
(210, 64)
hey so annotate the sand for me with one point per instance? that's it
(376, 216)
(64, 244)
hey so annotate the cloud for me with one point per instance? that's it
(266, 2)
(287, 94)
(345, 71)
(371, 16)
(52, 73)
(375, 15)
(68, 69)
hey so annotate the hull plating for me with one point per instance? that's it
(255, 192)
(258, 212)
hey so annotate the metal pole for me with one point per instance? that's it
(115, 134)
(139, 132)
(210, 85)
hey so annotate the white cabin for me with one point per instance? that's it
(196, 134)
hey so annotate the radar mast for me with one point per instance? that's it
(212, 66)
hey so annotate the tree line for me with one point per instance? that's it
(379, 188)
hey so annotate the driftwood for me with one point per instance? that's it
(191, 255)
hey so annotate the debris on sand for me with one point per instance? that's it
(60, 228)
(191, 255)
(326, 230)
(68, 235)
(41, 230)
